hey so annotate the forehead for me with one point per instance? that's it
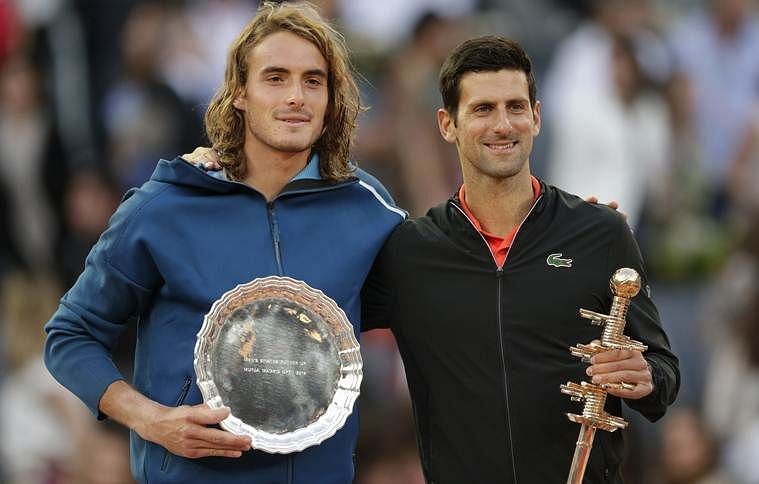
(503, 85)
(285, 49)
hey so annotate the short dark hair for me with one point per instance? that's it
(489, 53)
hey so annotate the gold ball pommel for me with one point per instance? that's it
(625, 282)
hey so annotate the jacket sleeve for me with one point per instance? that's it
(644, 325)
(377, 295)
(117, 282)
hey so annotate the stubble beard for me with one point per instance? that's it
(280, 140)
(499, 169)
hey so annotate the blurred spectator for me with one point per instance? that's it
(716, 49)
(32, 167)
(37, 415)
(48, 436)
(10, 29)
(688, 454)
(387, 23)
(198, 38)
(743, 181)
(731, 332)
(54, 36)
(581, 68)
(91, 198)
(144, 118)
(742, 454)
(611, 136)
(425, 167)
(683, 238)
(102, 455)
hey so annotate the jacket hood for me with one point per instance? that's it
(180, 172)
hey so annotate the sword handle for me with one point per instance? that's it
(625, 284)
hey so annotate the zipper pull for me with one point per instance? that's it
(499, 272)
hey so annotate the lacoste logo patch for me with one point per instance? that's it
(555, 260)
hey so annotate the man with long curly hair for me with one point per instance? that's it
(287, 202)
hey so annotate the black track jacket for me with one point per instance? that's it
(486, 348)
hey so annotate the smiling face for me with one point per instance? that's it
(495, 124)
(285, 97)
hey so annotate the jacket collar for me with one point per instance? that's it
(452, 220)
(309, 172)
(180, 172)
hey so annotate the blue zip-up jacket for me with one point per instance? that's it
(172, 248)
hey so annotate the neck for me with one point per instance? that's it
(499, 204)
(269, 172)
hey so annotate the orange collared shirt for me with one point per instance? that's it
(499, 246)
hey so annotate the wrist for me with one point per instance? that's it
(130, 408)
(651, 372)
(148, 418)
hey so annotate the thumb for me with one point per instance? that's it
(204, 415)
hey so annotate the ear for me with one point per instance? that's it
(536, 117)
(447, 125)
(239, 101)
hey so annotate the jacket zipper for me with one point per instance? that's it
(180, 401)
(499, 278)
(271, 215)
(274, 227)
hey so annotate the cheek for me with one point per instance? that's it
(473, 133)
(321, 103)
(251, 118)
(320, 108)
(526, 125)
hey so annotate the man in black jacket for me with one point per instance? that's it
(482, 296)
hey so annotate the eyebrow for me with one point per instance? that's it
(490, 101)
(284, 70)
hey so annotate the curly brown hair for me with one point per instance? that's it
(225, 124)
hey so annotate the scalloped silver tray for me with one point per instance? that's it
(283, 356)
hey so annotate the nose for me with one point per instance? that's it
(503, 123)
(295, 96)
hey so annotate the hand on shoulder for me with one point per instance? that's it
(208, 158)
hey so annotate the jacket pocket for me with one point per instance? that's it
(179, 402)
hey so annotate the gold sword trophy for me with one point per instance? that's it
(625, 284)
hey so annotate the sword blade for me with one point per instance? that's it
(582, 453)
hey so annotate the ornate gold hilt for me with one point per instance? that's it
(593, 411)
(625, 284)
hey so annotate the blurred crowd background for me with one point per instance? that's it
(653, 103)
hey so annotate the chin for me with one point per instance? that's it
(293, 146)
(504, 171)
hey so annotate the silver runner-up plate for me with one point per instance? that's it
(283, 357)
